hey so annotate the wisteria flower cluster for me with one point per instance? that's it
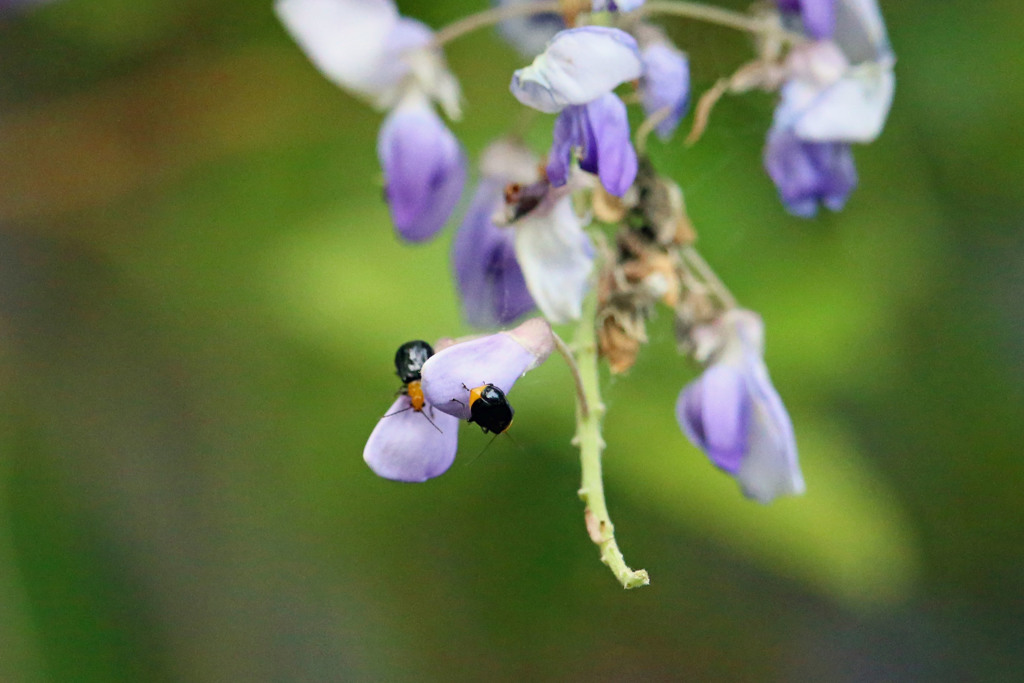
(588, 232)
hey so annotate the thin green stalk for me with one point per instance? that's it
(589, 411)
(490, 17)
(718, 15)
(677, 8)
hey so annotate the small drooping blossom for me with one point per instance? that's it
(490, 281)
(665, 85)
(366, 47)
(598, 132)
(412, 446)
(499, 359)
(809, 173)
(577, 67)
(733, 413)
(531, 33)
(424, 168)
(839, 91)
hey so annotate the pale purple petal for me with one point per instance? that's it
(665, 85)
(489, 278)
(770, 468)
(809, 173)
(578, 66)
(499, 359)
(714, 411)
(424, 169)
(405, 446)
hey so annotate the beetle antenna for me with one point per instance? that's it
(482, 451)
(424, 414)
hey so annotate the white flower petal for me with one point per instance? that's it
(853, 109)
(345, 39)
(578, 66)
(556, 257)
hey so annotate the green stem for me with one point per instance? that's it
(717, 15)
(676, 8)
(490, 17)
(588, 439)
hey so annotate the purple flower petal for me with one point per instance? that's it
(733, 413)
(600, 131)
(499, 359)
(806, 173)
(610, 154)
(567, 133)
(714, 411)
(818, 16)
(665, 85)
(424, 169)
(489, 278)
(405, 446)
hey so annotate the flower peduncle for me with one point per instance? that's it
(589, 411)
(676, 8)
(717, 15)
(492, 16)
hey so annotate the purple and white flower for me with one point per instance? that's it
(490, 281)
(839, 91)
(499, 359)
(578, 66)
(367, 47)
(412, 446)
(809, 173)
(424, 168)
(733, 413)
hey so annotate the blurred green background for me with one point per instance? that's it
(200, 297)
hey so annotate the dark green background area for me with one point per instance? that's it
(200, 296)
